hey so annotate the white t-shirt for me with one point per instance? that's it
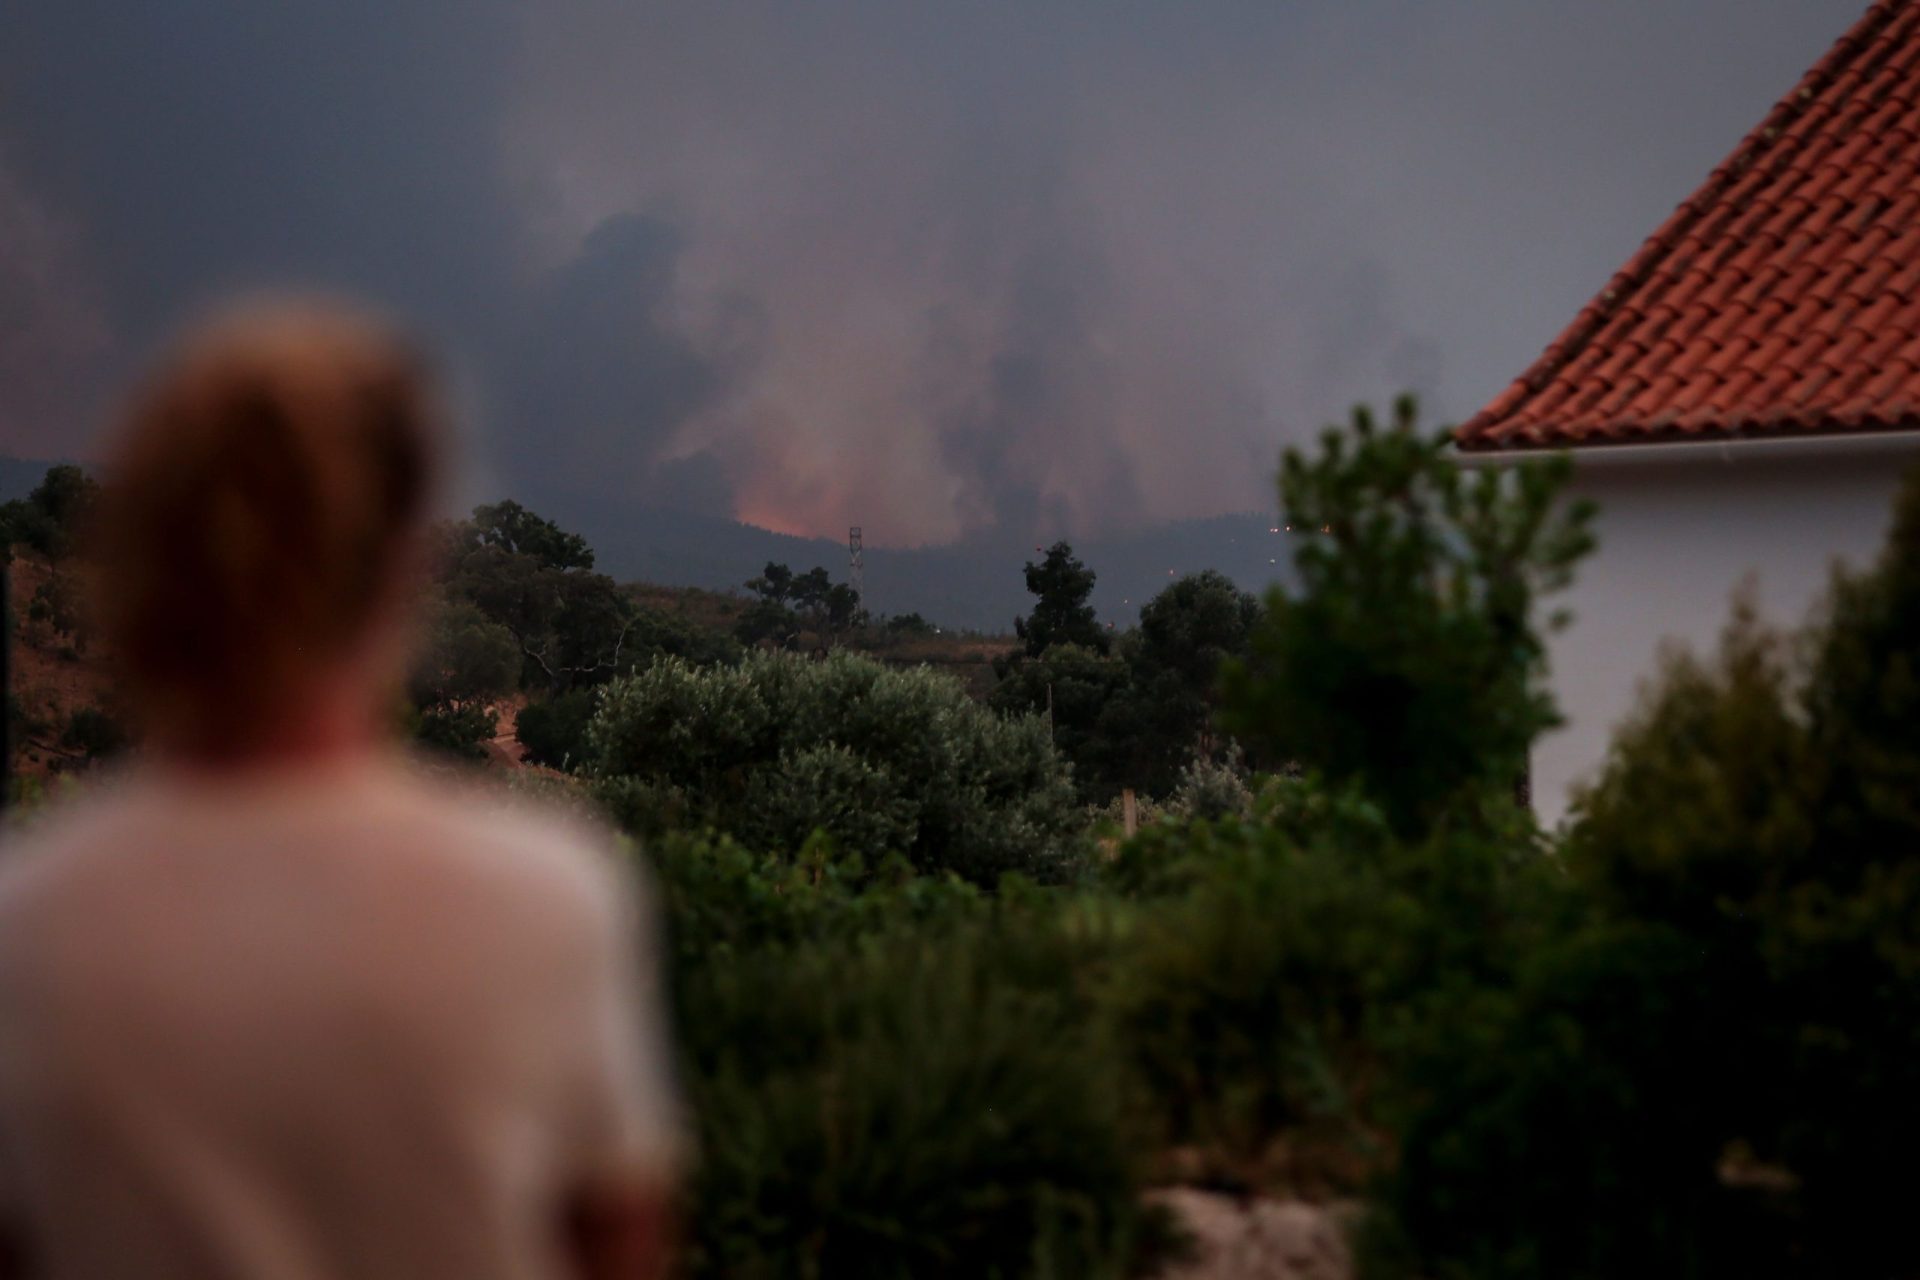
(360, 1024)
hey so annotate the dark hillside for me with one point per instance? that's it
(975, 584)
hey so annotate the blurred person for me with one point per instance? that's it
(274, 1003)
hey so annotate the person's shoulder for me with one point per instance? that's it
(533, 848)
(43, 850)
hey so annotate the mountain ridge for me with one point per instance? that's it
(976, 584)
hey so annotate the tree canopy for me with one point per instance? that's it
(1061, 586)
(514, 529)
(1409, 660)
(519, 609)
(1137, 717)
(48, 520)
(791, 605)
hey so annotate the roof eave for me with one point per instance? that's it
(1885, 443)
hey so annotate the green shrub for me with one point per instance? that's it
(1409, 661)
(884, 761)
(1575, 1129)
(1132, 720)
(722, 899)
(829, 789)
(463, 657)
(1715, 1068)
(1210, 789)
(461, 733)
(1243, 1010)
(554, 732)
(893, 1075)
(898, 1107)
(1084, 697)
(1172, 856)
(1287, 964)
(657, 634)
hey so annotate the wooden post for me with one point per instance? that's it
(1129, 813)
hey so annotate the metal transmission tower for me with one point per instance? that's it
(856, 567)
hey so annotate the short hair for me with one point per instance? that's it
(259, 508)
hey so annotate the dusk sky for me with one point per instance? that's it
(1066, 266)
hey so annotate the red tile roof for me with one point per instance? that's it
(1783, 298)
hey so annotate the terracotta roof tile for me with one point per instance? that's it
(1879, 320)
(1781, 297)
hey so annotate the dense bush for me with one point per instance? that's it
(1716, 1067)
(461, 733)
(532, 581)
(898, 1108)
(893, 1075)
(1286, 964)
(791, 606)
(723, 899)
(657, 634)
(464, 657)
(49, 521)
(1213, 789)
(883, 761)
(905, 1062)
(1084, 697)
(1683, 1042)
(553, 732)
(1243, 1010)
(1137, 718)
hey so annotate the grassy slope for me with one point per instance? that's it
(49, 678)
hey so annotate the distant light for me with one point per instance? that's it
(1289, 528)
(1276, 530)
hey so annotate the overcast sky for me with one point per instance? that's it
(1063, 266)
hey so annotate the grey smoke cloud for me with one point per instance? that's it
(597, 361)
(1034, 266)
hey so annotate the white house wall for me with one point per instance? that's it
(1681, 527)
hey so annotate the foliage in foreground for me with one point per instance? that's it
(905, 1062)
(1716, 1068)
(894, 1075)
(1410, 660)
(882, 761)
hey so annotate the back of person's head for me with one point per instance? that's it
(262, 517)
